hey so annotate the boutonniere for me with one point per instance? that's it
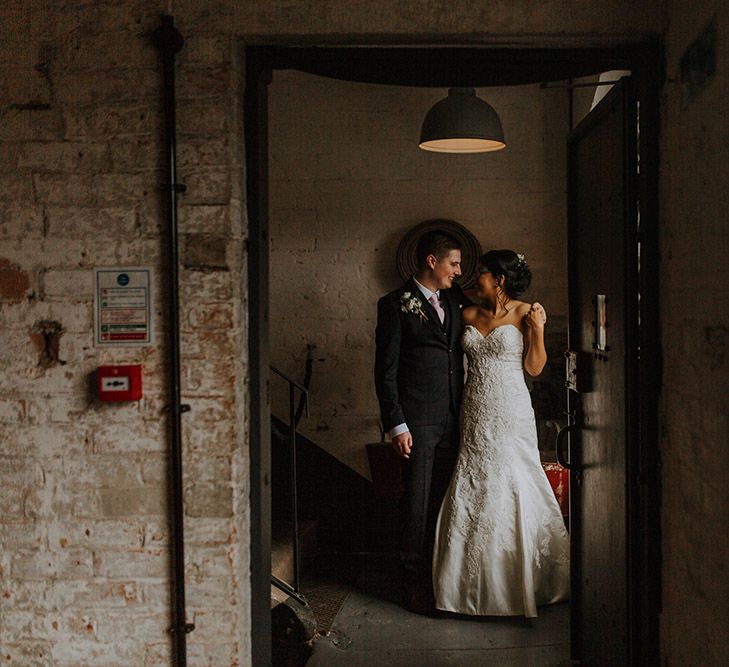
(412, 305)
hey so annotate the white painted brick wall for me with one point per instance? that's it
(84, 528)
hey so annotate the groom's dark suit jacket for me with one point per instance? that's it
(418, 364)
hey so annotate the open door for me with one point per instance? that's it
(603, 302)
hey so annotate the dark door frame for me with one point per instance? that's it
(444, 67)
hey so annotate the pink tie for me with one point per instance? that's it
(438, 308)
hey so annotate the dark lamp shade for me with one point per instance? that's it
(462, 123)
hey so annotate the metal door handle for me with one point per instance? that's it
(561, 440)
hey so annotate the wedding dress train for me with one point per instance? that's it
(501, 546)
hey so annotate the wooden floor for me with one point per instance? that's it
(372, 629)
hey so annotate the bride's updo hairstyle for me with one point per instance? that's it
(511, 268)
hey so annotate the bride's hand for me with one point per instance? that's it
(536, 318)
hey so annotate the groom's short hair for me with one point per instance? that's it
(435, 242)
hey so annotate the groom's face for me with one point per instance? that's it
(446, 269)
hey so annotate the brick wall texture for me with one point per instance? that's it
(83, 516)
(83, 501)
(348, 181)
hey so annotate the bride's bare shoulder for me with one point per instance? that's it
(522, 308)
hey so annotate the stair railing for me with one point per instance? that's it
(295, 590)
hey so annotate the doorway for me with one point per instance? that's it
(444, 67)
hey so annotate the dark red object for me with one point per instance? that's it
(386, 471)
(559, 480)
(119, 383)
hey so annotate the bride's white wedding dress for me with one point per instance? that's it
(501, 546)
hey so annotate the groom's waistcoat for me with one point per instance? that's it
(418, 361)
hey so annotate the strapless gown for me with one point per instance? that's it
(501, 546)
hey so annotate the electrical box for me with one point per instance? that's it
(119, 383)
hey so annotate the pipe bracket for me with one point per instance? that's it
(186, 628)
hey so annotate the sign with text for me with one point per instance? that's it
(123, 306)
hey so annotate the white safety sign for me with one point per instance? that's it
(123, 306)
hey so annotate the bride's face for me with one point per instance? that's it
(487, 285)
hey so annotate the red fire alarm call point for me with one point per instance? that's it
(120, 383)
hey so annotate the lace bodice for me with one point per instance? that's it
(495, 391)
(504, 344)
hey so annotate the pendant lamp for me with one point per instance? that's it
(462, 123)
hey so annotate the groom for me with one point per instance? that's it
(419, 379)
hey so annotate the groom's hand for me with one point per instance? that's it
(403, 443)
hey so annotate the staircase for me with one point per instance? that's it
(337, 511)
(282, 553)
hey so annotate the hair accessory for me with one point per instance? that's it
(522, 261)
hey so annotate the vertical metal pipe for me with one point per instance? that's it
(294, 491)
(169, 42)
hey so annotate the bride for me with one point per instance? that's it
(501, 546)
